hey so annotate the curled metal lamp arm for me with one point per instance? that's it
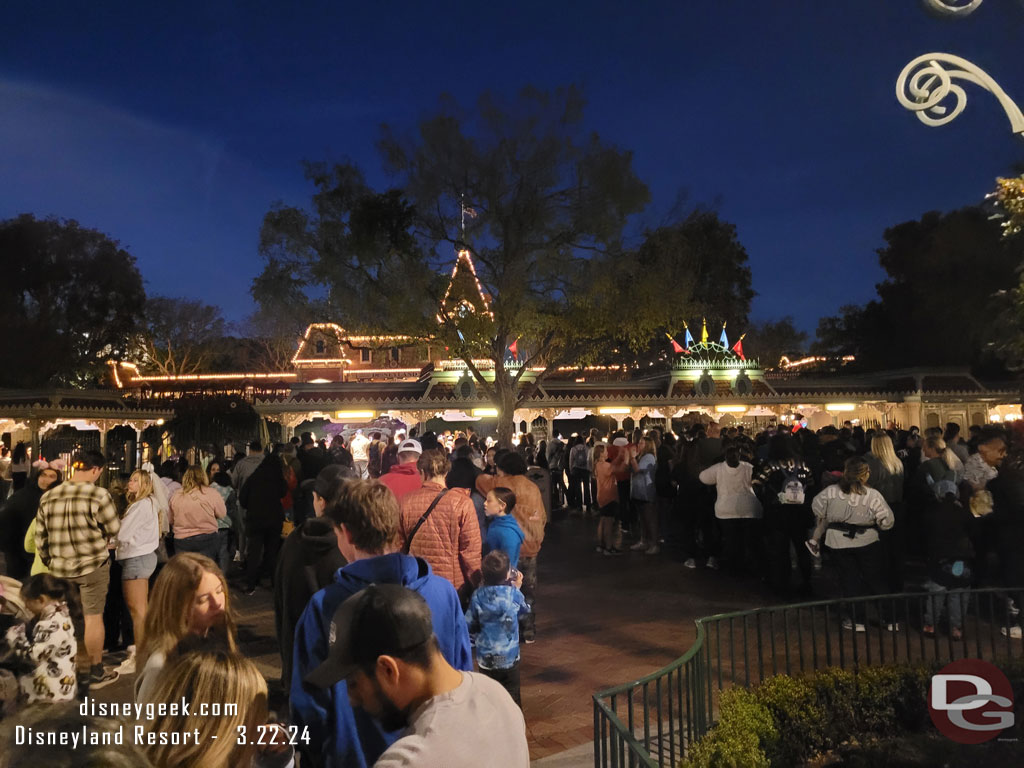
(958, 8)
(925, 87)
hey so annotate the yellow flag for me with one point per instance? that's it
(704, 332)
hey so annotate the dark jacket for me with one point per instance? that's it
(15, 518)
(339, 735)
(948, 529)
(919, 489)
(261, 496)
(462, 474)
(884, 481)
(312, 461)
(1007, 516)
(307, 563)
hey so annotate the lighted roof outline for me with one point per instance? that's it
(464, 256)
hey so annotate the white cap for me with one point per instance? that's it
(620, 442)
(410, 445)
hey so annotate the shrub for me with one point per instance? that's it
(785, 721)
(736, 742)
(799, 718)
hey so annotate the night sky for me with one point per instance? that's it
(173, 127)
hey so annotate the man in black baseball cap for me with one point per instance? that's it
(382, 644)
(381, 620)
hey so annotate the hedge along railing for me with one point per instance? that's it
(653, 722)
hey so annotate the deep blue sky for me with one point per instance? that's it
(174, 127)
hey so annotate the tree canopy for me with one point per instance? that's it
(180, 335)
(70, 299)
(546, 205)
(941, 304)
(770, 340)
(694, 269)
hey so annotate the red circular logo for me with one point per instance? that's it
(970, 701)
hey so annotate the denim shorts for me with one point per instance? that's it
(140, 567)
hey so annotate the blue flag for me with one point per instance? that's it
(688, 342)
(725, 339)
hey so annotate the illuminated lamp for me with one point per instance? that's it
(159, 422)
(355, 415)
(485, 412)
(320, 381)
(834, 407)
(613, 411)
(995, 417)
(731, 408)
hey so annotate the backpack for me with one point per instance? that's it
(793, 488)
(578, 457)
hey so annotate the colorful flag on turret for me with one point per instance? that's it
(738, 347)
(675, 345)
(725, 339)
(688, 341)
(513, 349)
(704, 333)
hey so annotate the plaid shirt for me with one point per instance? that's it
(72, 527)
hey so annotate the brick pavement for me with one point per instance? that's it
(601, 621)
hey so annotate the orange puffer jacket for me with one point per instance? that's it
(529, 510)
(450, 538)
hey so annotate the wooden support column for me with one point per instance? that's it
(35, 427)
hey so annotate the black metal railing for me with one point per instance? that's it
(655, 720)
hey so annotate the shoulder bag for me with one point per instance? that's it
(422, 520)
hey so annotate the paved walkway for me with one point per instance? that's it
(601, 621)
(607, 620)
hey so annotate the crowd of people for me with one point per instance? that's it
(776, 504)
(395, 576)
(144, 563)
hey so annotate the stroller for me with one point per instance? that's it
(12, 611)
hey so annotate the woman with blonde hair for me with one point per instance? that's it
(193, 513)
(887, 478)
(232, 691)
(189, 601)
(940, 461)
(137, 541)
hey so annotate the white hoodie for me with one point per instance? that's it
(140, 530)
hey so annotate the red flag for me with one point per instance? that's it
(513, 348)
(675, 345)
(738, 347)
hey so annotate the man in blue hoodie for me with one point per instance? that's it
(365, 515)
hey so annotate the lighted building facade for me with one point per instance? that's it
(354, 379)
